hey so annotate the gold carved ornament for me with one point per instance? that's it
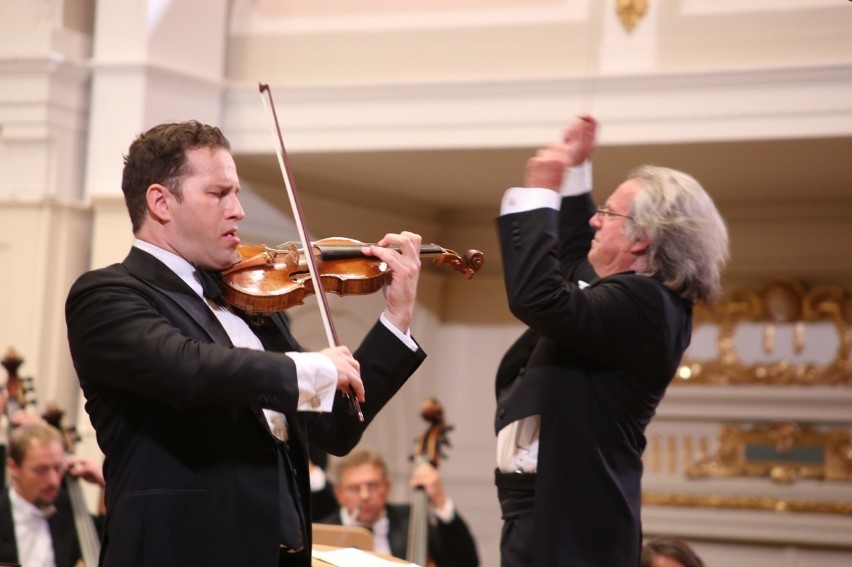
(782, 301)
(630, 12)
(782, 453)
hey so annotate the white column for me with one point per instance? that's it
(154, 61)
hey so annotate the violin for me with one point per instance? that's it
(267, 279)
(254, 297)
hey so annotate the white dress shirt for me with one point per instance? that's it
(32, 533)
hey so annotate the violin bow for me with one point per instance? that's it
(295, 204)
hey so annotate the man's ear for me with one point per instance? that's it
(338, 495)
(159, 201)
(640, 246)
(13, 467)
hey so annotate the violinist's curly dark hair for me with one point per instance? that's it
(159, 156)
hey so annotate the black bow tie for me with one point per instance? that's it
(210, 285)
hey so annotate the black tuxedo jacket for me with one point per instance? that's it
(63, 533)
(594, 364)
(450, 544)
(193, 474)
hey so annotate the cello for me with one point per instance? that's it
(428, 448)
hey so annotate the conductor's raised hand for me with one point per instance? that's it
(547, 167)
(403, 262)
(579, 139)
(348, 370)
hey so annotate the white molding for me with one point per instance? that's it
(748, 526)
(716, 7)
(818, 404)
(655, 108)
(244, 19)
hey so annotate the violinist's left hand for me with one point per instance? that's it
(87, 470)
(404, 266)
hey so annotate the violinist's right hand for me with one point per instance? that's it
(348, 370)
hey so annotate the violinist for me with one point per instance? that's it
(36, 519)
(204, 414)
(362, 490)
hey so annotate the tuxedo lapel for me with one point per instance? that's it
(8, 546)
(154, 273)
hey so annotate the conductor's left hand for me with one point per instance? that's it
(404, 266)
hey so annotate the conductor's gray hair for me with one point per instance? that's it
(688, 240)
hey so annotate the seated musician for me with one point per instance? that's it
(36, 518)
(362, 490)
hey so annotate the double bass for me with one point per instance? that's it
(428, 448)
(19, 391)
(87, 532)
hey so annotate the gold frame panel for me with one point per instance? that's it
(783, 300)
(747, 503)
(786, 440)
(782, 452)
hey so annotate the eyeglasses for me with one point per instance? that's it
(356, 489)
(604, 210)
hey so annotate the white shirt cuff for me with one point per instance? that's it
(520, 199)
(404, 337)
(317, 378)
(577, 180)
(317, 478)
(447, 512)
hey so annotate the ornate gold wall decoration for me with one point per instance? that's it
(747, 503)
(630, 12)
(782, 301)
(782, 452)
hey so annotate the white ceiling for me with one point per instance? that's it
(735, 173)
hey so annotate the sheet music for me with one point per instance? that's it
(351, 557)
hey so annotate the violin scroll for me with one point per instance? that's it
(466, 265)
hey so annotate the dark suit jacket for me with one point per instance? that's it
(193, 474)
(594, 364)
(450, 544)
(66, 548)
